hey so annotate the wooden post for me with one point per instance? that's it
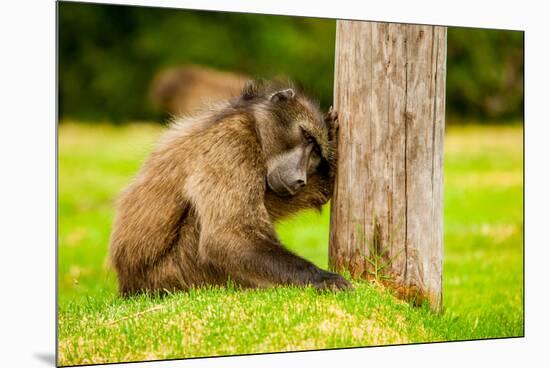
(388, 202)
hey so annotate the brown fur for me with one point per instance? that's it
(199, 212)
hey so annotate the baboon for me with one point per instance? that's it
(202, 208)
(183, 89)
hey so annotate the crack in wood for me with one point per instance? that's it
(434, 121)
(405, 162)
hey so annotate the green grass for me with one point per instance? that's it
(482, 276)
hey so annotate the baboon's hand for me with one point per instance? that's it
(331, 119)
(331, 281)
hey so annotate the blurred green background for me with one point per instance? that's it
(109, 54)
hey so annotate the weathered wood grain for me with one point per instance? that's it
(390, 95)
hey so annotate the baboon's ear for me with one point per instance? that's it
(249, 90)
(286, 94)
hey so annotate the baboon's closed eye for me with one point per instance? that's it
(288, 168)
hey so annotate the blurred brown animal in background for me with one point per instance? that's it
(184, 89)
(202, 208)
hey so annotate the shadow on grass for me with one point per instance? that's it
(46, 358)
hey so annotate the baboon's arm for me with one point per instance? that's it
(237, 236)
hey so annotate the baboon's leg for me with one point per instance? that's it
(164, 275)
(145, 229)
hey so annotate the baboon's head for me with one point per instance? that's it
(292, 132)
